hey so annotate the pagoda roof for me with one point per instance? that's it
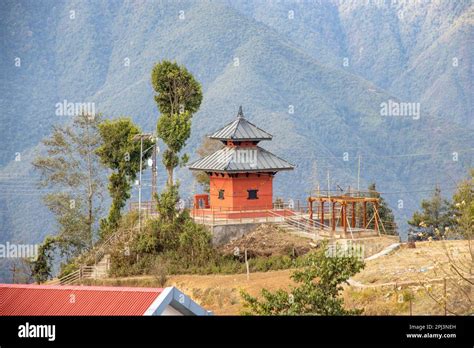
(241, 130)
(239, 159)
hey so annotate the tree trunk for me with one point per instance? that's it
(91, 193)
(170, 176)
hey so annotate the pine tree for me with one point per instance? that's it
(434, 219)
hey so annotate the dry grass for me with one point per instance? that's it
(221, 293)
(422, 263)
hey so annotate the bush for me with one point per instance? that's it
(68, 269)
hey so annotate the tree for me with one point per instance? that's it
(207, 147)
(73, 170)
(434, 220)
(178, 97)
(41, 267)
(120, 152)
(463, 207)
(384, 211)
(321, 282)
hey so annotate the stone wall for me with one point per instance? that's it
(222, 234)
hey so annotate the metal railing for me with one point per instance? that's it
(301, 223)
(84, 272)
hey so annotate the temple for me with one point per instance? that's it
(241, 173)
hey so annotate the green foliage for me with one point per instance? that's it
(72, 171)
(434, 219)
(68, 268)
(41, 267)
(174, 130)
(176, 89)
(463, 206)
(186, 247)
(318, 293)
(195, 244)
(120, 151)
(178, 96)
(167, 202)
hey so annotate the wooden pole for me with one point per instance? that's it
(344, 214)
(353, 214)
(247, 265)
(333, 223)
(153, 173)
(322, 214)
(375, 217)
(364, 213)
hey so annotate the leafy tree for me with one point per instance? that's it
(121, 153)
(177, 90)
(434, 219)
(41, 267)
(171, 219)
(207, 147)
(178, 96)
(384, 211)
(195, 244)
(73, 170)
(319, 293)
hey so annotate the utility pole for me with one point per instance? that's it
(135, 138)
(358, 177)
(140, 188)
(329, 185)
(154, 170)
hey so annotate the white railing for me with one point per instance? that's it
(300, 222)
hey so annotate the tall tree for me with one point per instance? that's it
(72, 170)
(120, 151)
(178, 97)
(41, 267)
(434, 219)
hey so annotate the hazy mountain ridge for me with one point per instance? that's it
(335, 111)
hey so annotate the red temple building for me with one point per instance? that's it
(241, 173)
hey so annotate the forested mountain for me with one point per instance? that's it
(312, 73)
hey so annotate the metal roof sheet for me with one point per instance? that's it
(30, 300)
(241, 159)
(241, 129)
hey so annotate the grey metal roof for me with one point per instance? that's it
(239, 159)
(241, 129)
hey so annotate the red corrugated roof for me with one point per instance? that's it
(30, 300)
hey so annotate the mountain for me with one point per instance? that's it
(288, 77)
(418, 50)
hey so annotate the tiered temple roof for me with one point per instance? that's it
(238, 159)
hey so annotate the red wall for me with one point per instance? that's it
(235, 191)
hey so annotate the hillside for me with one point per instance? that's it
(104, 54)
(406, 271)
